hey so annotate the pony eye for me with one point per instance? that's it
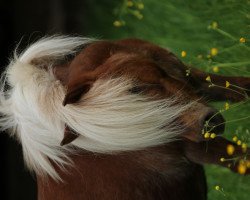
(143, 88)
(136, 90)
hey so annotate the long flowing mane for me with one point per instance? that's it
(108, 118)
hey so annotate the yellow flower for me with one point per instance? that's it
(130, 3)
(217, 187)
(215, 69)
(214, 25)
(208, 79)
(140, 16)
(213, 135)
(239, 142)
(226, 106)
(242, 40)
(227, 84)
(137, 14)
(235, 138)
(244, 147)
(140, 6)
(207, 135)
(117, 23)
(230, 149)
(214, 51)
(183, 54)
(242, 168)
(222, 159)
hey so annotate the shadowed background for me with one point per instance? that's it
(181, 25)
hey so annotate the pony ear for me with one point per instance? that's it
(69, 136)
(74, 93)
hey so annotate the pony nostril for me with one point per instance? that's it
(214, 122)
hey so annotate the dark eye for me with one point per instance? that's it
(147, 89)
(137, 90)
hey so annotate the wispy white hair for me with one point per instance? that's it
(108, 118)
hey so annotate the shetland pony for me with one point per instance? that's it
(115, 119)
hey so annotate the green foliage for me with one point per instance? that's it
(189, 25)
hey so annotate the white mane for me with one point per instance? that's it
(108, 118)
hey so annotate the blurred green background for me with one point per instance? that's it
(185, 25)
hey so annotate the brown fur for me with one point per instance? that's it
(172, 171)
